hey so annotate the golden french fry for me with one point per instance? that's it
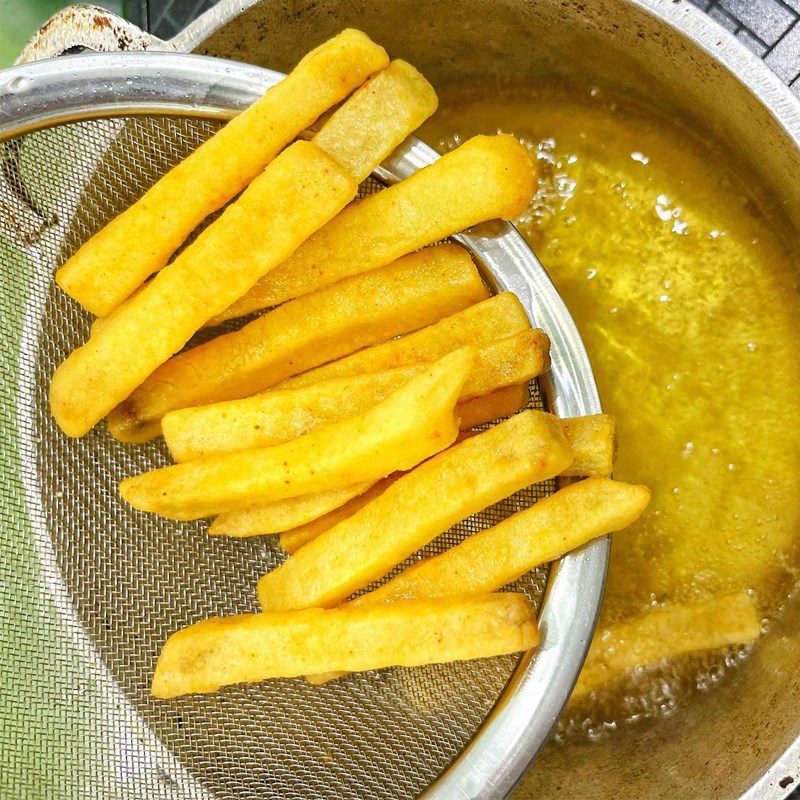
(280, 415)
(594, 440)
(359, 311)
(407, 427)
(274, 416)
(370, 125)
(467, 478)
(379, 115)
(496, 405)
(668, 632)
(292, 540)
(286, 514)
(492, 558)
(496, 318)
(253, 647)
(301, 189)
(487, 177)
(114, 262)
(507, 361)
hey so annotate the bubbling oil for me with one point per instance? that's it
(689, 306)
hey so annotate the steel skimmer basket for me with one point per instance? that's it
(90, 589)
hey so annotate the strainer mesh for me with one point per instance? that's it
(90, 589)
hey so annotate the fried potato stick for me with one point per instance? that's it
(492, 406)
(377, 118)
(302, 512)
(667, 633)
(362, 310)
(487, 177)
(320, 511)
(416, 508)
(277, 416)
(481, 324)
(407, 427)
(493, 558)
(594, 440)
(285, 515)
(253, 647)
(292, 540)
(119, 258)
(299, 191)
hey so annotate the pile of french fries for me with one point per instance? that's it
(342, 418)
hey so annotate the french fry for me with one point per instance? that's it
(370, 125)
(362, 310)
(319, 511)
(496, 318)
(407, 427)
(467, 478)
(379, 115)
(292, 540)
(253, 647)
(277, 416)
(492, 558)
(301, 189)
(100, 322)
(495, 405)
(487, 177)
(286, 514)
(594, 440)
(264, 519)
(667, 633)
(507, 361)
(268, 518)
(117, 260)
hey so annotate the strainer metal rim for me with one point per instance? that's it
(58, 91)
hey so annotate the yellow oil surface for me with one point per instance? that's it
(689, 307)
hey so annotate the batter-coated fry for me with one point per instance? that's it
(362, 310)
(487, 177)
(297, 193)
(120, 257)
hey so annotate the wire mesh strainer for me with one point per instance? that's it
(90, 589)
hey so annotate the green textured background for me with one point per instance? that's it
(50, 706)
(41, 711)
(47, 704)
(19, 20)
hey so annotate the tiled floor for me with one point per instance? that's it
(770, 28)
